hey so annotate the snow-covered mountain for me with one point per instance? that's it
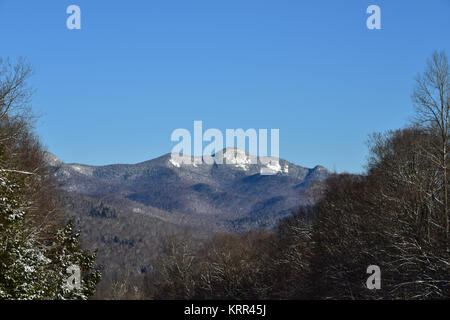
(229, 191)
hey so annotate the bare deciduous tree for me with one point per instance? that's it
(432, 101)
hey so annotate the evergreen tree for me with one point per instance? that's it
(31, 269)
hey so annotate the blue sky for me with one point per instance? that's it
(114, 91)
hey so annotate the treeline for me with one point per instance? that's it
(395, 216)
(38, 248)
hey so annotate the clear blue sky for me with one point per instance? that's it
(114, 91)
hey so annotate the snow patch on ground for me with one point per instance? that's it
(174, 163)
(177, 160)
(271, 167)
(238, 158)
(83, 169)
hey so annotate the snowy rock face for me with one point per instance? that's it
(86, 170)
(241, 159)
(230, 156)
(174, 162)
(271, 166)
(235, 158)
(52, 160)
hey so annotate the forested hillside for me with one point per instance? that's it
(38, 249)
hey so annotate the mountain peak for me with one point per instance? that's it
(321, 169)
(51, 159)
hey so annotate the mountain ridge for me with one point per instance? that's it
(127, 211)
(199, 194)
